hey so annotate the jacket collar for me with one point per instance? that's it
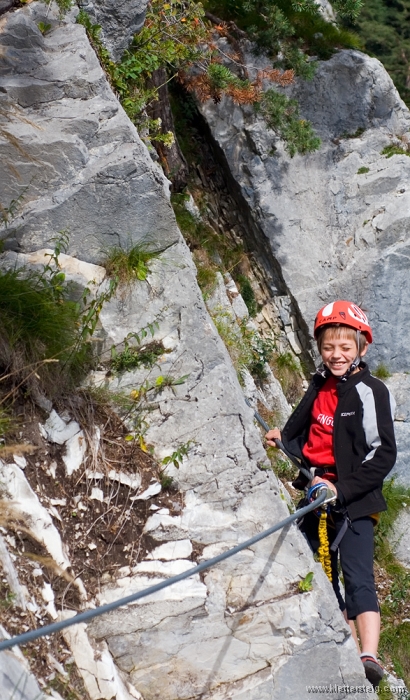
(322, 374)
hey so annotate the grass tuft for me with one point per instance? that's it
(132, 263)
(39, 333)
(393, 150)
(381, 371)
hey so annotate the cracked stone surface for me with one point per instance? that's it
(233, 634)
(399, 385)
(16, 681)
(335, 233)
(241, 630)
(119, 21)
(68, 149)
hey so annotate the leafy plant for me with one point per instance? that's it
(282, 115)
(306, 585)
(289, 30)
(363, 170)
(206, 278)
(166, 380)
(383, 30)
(166, 481)
(63, 5)
(396, 497)
(45, 335)
(9, 212)
(283, 468)
(286, 360)
(132, 358)
(355, 134)
(176, 458)
(395, 635)
(43, 27)
(246, 347)
(262, 350)
(201, 237)
(287, 370)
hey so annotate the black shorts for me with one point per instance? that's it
(356, 559)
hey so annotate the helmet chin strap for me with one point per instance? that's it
(356, 361)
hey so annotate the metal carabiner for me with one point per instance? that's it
(317, 489)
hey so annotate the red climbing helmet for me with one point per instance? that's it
(343, 313)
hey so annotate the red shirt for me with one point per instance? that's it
(319, 447)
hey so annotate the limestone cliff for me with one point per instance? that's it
(336, 221)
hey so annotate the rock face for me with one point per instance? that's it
(244, 630)
(68, 149)
(119, 21)
(399, 385)
(335, 221)
(16, 683)
(335, 232)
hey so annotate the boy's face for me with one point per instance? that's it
(338, 353)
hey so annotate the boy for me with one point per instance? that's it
(342, 430)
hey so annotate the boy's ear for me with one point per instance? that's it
(364, 351)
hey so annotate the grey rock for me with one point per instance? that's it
(326, 10)
(69, 150)
(222, 640)
(87, 171)
(6, 5)
(399, 385)
(334, 233)
(16, 682)
(400, 536)
(119, 21)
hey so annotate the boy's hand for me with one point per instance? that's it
(329, 484)
(273, 435)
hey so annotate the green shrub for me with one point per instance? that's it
(287, 361)
(383, 30)
(282, 115)
(132, 357)
(291, 29)
(355, 134)
(39, 332)
(363, 170)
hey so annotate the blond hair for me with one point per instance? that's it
(340, 331)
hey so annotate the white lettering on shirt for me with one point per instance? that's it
(324, 419)
(352, 413)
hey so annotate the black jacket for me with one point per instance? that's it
(363, 438)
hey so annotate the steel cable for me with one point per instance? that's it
(108, 607)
